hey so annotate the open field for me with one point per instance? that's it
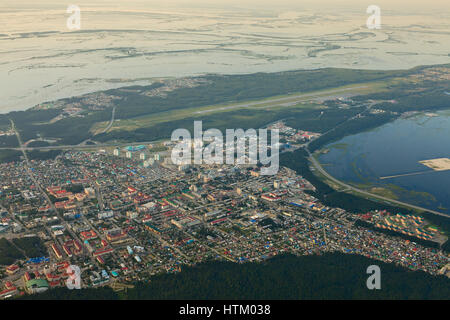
(304, 101)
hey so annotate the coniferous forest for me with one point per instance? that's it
(285, 277)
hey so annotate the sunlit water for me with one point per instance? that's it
(393, 149)
(118, 45)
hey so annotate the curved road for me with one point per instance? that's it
(318, 166)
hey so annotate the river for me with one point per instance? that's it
(386, 160)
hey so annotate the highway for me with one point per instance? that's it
(348, 187)
(318, 166)
(112, 120)
(42, 191)
(78, 146)
(315, 163)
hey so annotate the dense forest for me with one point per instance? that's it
(32, 246)
(217, 89)
(8, 252)
(18, 248)
(284, 277)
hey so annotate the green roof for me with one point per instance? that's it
(39, 283)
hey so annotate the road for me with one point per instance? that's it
(290, 100)
(79, 146)
(317, 165)
(348, 187)
(41, 190)
(112, 120)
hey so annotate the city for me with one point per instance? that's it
(124, 215)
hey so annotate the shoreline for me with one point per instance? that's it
(152, 79)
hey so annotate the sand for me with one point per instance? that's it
(440, 164)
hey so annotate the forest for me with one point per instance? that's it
(286, 277)
(217, 89)
(19, 248)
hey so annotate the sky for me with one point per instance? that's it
(255, 5)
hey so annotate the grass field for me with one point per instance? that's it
(306, 100)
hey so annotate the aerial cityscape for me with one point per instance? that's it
(224, 152)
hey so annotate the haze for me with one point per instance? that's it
(133, 42)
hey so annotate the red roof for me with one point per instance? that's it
(54, 283)
(8, 291)
(12, 267)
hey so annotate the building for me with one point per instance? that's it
(185, 222)
(56, 251)
(105, 214)
(9, 292)
(12, 269)
(115, 234)
(132, 214)
(90, 192)
(37, 285)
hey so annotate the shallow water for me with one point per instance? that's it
(119, 45)
(396, 149)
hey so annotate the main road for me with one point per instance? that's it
(319, 167)
(42, 191)
(348, 187)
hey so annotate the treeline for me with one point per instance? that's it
(352, 127)
(10, 155)
(69, 130)
(412, 98)
(298, 161)
(101, 293)
(43, 155)
(319, 120)
(218, 89)
(8, 252)
(32, 246)
(236, 88)
(285, 277)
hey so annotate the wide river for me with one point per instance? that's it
(370, 159)
(135, 42)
